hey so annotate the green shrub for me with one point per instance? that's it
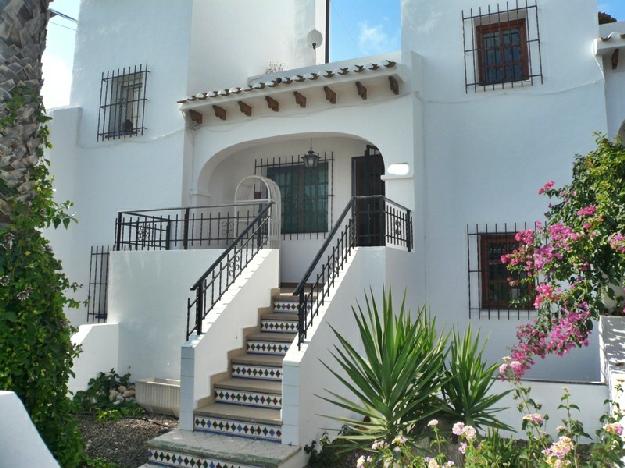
(100, 398)
(467, 391)
(397, 379)
(36, 351)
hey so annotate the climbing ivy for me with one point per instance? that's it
(36, 351)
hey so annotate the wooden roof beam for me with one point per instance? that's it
(362, 90)
(300, 98)
(330, 94)
(245, 108)
(272, 104)
(394, 84)
(220, 112)
(195, 116)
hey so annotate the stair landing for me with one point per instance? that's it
(212, 450)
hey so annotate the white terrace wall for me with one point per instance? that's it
(20, 443)
(99, 352)
(589, 397)
(147, 296)
(489, 151)
(206, 356)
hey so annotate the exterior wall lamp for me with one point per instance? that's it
(311, 159)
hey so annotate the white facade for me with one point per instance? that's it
(469, 154)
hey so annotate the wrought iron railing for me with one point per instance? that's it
(183, 228)
(212, 285)
(365, 221)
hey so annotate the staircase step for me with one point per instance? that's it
(239, 421)
(269, 343)
(252, 393)
(258, 367)
(275, 323)
(201, 449)
(251, 385)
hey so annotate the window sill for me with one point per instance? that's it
(507, 86)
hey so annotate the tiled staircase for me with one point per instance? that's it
(248, 402)
(241, 425)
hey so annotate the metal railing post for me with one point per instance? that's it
(409, 230)
(118, 234)
(199, 306)
(185, 240)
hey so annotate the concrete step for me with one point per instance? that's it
(251, 393)
(206, 450)
(257, 366)
(239, 421)
(269, 343)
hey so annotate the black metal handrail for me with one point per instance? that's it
(226, 269)
(214, 226)
(365, 221)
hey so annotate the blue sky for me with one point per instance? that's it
(359, 27)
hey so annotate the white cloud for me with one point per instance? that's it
(57, 76)
(373, 39)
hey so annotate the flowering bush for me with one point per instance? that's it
(491, 449)
(575, 262)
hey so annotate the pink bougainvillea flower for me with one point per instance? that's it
(545, 188)
(617, 242)
(587, 210)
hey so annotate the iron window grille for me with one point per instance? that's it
(97, 306)
(502, 46)
(490, 293)
(306, 193)
(122, 103)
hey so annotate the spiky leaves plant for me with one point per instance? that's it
(394, 384)
(467, 390)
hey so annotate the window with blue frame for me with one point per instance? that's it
(503, 52)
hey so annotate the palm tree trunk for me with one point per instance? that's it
(23, 26)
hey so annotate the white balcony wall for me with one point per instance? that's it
(147, 298)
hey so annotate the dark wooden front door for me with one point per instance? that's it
(366, 181)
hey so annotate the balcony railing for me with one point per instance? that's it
(198, 227)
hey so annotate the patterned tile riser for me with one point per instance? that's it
(232, 427)
(268, 347)
(164, 458)
(278, 326)
(257, 372)
(286, 307)
(255, 399)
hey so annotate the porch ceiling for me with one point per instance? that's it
(333, 80)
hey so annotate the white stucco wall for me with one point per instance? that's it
(20, 443)
(99, 344)
(614, 83)
(244, 36)
(147, 297)
(206, 355)
(487, 153)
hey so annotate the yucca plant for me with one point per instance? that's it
(467, 391)
(395, 383)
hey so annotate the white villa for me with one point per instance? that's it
(236, 194)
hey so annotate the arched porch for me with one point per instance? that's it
(313, 195)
